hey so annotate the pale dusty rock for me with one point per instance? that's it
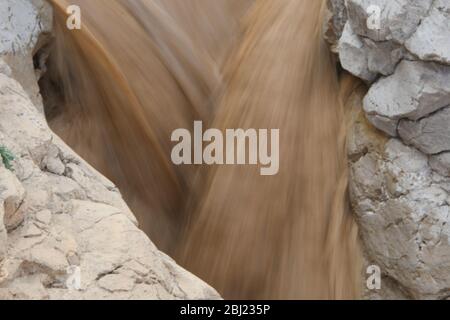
(430, 41)
(383, 57)
(353, 55)
(12, 195)
(441, 164)
(385, 124)
(415, 90)
(366, 58)
(4, 68)
(403, 211)
(117, 282)
(430, 135)
(398, 20)
(32, 231)
(25, 288)
(3, 242)
(339, 16)
(401, 196)
(393, 181)
(65, 231)
(423, 28)
(24, 28)
(52, 161)
(406, 44)
(336, 17)
(21, 25)
(44, 216)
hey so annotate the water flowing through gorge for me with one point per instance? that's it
(137, 70)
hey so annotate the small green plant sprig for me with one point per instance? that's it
(7, 157)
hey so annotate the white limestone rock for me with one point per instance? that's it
(430, 135)
(383, 57)
(430, 41)
(339, 16)
(402, 208)
(366, 58)
(44, 216)
(353, 55)
(415, 90)
(25, 26)
(441, 164)
(398, 20)
(335, 20)
(64, 221)
(4, 68)
(12, 195)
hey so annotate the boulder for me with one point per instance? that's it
(402, 209)
(394, 21)
(415, 90)
(430, 41)
(430, 135)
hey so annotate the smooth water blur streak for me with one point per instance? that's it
(291, 235)
(139, 69)
(135, 72)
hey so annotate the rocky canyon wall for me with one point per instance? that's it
(399, 140)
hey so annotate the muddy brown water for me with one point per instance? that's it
(137, 70)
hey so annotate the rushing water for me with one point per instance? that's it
(137, 70)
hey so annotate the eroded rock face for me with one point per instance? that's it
(430, 135)
(65, 231)
(415, 90)
(400, 173)
(398, 20)
(429, 42)
(24, 27)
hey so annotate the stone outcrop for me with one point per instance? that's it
(65, 231)
(24, 26)
(399, 143)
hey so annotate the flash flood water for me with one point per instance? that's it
(138, 70)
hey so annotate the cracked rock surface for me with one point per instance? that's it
(65, 231)
(399, 147)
